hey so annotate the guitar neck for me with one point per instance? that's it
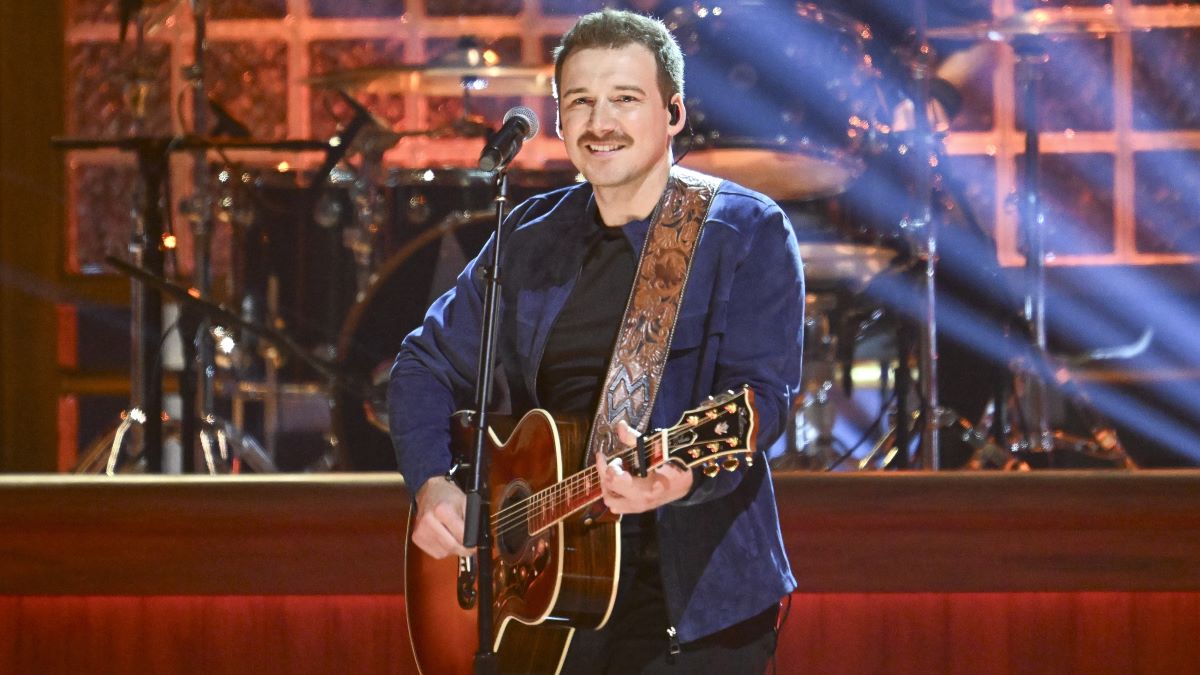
(712, 436)
(580, 490)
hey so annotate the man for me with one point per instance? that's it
(703, 566)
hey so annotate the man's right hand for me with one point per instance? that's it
(438, 529)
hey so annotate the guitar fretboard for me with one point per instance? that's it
(552, 504)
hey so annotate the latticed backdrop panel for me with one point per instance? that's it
(1112, 102)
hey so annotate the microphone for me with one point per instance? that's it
(520, 125)
(339, 145)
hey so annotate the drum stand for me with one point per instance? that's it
(138, 441)
(141, 428)
(199, 421)
(810, 441)
(137, 444)
(1031, 56)
(1034, 369)
(927, 240)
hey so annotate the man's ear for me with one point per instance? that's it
(678, 115)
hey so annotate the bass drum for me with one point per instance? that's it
(420, 270)
(289, 265)
(783, 99)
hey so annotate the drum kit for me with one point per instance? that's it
(331, 269)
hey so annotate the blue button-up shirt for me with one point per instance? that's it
(740, 323)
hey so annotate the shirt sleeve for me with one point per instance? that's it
(434, 373)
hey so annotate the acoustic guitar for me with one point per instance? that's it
(556, 551)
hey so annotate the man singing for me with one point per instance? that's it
(702, 566)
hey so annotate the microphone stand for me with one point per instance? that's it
(477, 531)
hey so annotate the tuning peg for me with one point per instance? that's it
(730, 463)
(749, 459)
(731, 408)
(710, 468)
(694, 453)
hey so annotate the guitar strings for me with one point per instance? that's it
(581, 482)
(517, 514)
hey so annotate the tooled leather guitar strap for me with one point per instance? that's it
(640, 352)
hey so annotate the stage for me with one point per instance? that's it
(899, 573)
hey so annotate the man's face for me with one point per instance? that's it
(614, 123)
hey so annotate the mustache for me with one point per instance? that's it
(619, 139)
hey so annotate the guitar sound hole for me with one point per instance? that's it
(514, 530)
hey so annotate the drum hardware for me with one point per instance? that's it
(925, 245)
(199, 419)
(834, 328)
(466, 69)
(198, 403)
(147, 251)
(242, 446)
(1027, 33)
(370, 212)
(810, 442)
(914, 152)
(922, 240)
(834, 273)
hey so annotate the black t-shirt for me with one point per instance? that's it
(580, 343)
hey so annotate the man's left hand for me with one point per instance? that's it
(627, 493)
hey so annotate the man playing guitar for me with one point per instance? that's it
(701, 566)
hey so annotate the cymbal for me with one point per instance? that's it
(189, 142)
(1035, 22)
(852, 266)
(441, 80)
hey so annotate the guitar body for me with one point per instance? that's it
(555, 556)
(545, 584)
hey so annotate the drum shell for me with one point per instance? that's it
(292, 264)
(417, 273)
(289, 264)
(782, 98)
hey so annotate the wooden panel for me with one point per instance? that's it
(832, 634)
(198, 535)
(964, 532)
(991, 633)
(205, 634)
(31, 196)
(1053, 531)
(301, 574)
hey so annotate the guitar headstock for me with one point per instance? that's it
(718, 434)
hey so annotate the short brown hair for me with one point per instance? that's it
(613, 29)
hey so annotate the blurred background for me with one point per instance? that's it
(1119, 183)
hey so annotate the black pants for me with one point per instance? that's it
(635, 638)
